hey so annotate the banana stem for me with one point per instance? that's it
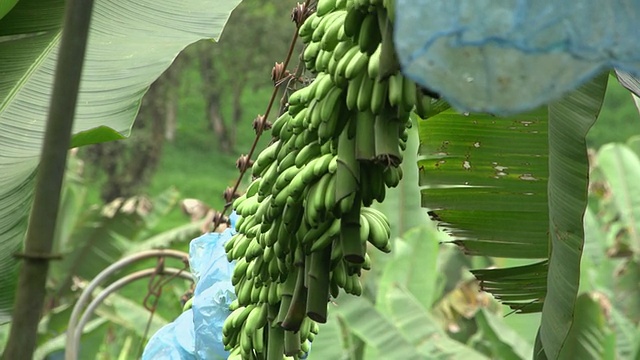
(296, 312)
(352, 248)
(291, 343)
(318, 277)
(387, 140)
(348, 173)
(307, 270)
(272, 311)
(275, 342)
(288, 288)
(365, 136)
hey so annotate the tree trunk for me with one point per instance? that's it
(213, 101)
(129, 164)
(220, 129)
(172, 79)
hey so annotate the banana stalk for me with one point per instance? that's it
(348, 173)
(288, 289)
(291, 343)
(275, 343)
(318, 290)
(365, 136)
(296, 312)
(387, 140)
(353, 250)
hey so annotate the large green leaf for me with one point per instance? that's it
(131, 43)
(506, 187)
(485, 180)
(569, 122)
(478, 172)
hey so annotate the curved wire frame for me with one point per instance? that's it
(79, 318)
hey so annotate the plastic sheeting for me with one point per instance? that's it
(197, 333)
(508, 56)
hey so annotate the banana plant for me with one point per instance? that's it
(130, 45)
(516, 187)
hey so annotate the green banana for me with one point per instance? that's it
(364, 94)
(373, 66)
(369, 36)
(353, 22)
(379, 96)
(325, 6)
(356, 65)
(307, 153)
(265, 158)
(353, 88)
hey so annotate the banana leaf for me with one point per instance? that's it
(130, 44)
(516, 188)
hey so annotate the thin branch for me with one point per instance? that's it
(39, 240)
(260, 129)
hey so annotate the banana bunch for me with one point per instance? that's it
(305, 223)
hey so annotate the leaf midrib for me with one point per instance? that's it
(30, 71)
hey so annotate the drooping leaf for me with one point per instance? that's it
(484, 178)
(131, 43)
(504, 57)
(569, 122)
(485, 181)
(590, 337)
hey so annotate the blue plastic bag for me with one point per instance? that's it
(213, 294)
(197, 333)
(175, 340)
(507, 56)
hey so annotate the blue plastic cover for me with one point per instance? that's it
(507, 56)
(173, 341)
(197, 333)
